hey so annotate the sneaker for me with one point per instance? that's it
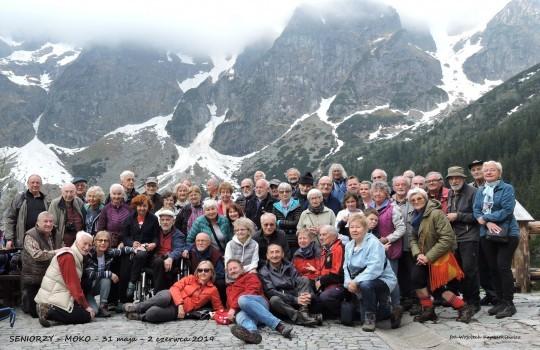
(465, 314)
(103, 311)
(42, 311)
(247, 336)
(135, 316)
(129, 307)
(395, 317)
(285, 330)
(369, 323)
(508, 311)
(497, 308)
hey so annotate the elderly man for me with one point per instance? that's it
(409, 174)
(22, 214)
(304, 185)
(270, 234)
(460, 214)
(293, 176)
(329, 284)
(245, 299)
(259, 174)
(38, 251)
(290, 294)
(261, 203)
(379, 175)
(475, 168)
(274, 183)
(61, 297)
(436, 189)
(81, 185)
(69, 216)
(150, 191)
(325, 186)
(246, 192)
(212, 187)
(168, 252)
(204, 250)
(418, 182)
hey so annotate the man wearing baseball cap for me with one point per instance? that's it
(150, 191)
(475, 168)
(460, 214)
(168, 252)
(81, 185)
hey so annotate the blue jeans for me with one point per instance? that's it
(395, 294)
(375, 298)
(254, 310)
(102, 287)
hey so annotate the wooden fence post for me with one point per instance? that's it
(521, 260)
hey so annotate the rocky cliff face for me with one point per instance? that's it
(510, 43)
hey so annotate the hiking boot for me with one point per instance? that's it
(103, 311)
(428, 314)
(130, 290)
(129, 307)
(508, 311)
(135, 316)
(465, 314)
(42, 311)
(318, 318)
(303, 318)
(395, 317)
(247, 336)
(497, 308)
(285, 330)
(369, 322)
(488, 300)
(415, 309)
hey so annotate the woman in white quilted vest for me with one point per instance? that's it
(61, 297)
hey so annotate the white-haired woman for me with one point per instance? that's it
(499, 234)
(316, 215)
(114, 214)
(181, 192)
(216, 226)
(339, 179)
(287, 211)
(94, 203)
(242, 247)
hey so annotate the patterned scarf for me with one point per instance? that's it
(309, 252)
(489, 188)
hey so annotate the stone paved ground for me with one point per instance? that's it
(485, 332)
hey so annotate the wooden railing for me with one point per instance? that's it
(522, 260)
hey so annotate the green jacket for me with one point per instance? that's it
(435, 236)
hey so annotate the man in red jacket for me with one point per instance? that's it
(245, 299)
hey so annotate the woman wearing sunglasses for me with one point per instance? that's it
(185, 296)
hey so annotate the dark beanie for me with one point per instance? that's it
(306, 179)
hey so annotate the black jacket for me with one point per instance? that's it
(278, 237)
(465, 226)
(147, 233)
(254, 213)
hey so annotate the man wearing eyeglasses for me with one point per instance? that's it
(436, 189)
(270, 234)
(246, 189)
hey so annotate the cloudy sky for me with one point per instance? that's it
(213, 26)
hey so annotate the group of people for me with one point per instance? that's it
(279, 252)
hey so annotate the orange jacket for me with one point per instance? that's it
(301, 266)
(193, 295)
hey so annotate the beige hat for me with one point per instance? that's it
(456, 171)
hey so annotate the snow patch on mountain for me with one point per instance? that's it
(42, 55)
(156, 125)
(221, 64)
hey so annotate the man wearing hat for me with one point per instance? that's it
(460, 213)
(168, 252)
(304, 185)
(274, 183)
(150, 191)
(81, 185)
(476, 171)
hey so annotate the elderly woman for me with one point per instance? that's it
(141, 231)
(499, 234)
(181, 192)
(351, 204)
(168, 203)
(114, 214)
(432, 243)
(390, 228)
(93, 206)
(307, 258)
(225, 191)
(185, 296)
(316, 215)
(367, 273)
(242, 247)
(287, 211)
(189, 213)
(339, 179)
(98, 276)
(215, 225)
